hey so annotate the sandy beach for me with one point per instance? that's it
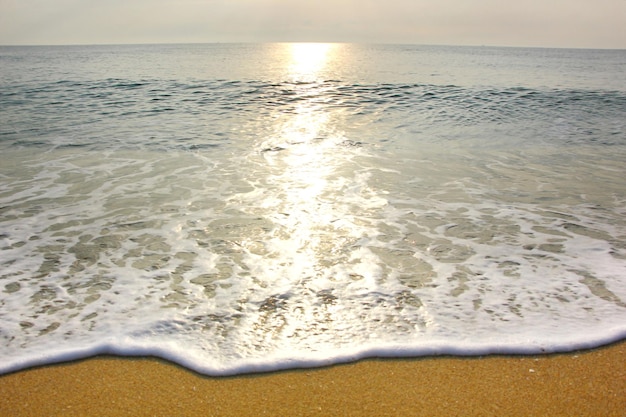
(586, 383)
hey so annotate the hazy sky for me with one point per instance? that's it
(551, 23)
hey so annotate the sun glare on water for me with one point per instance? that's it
(304, 154)
(308, 59)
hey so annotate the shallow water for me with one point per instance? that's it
(238, 208)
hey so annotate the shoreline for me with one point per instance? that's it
(589, 382)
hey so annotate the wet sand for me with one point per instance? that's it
(589, 383)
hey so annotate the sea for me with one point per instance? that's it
(240, 208)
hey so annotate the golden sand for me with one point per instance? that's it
(589, 383)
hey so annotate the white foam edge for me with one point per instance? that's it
(320, 359)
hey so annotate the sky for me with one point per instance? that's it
(540, 23)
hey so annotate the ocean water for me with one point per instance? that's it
(238, 208)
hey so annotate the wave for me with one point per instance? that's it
(568, 116)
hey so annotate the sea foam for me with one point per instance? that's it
(235, 226)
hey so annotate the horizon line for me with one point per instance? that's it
(312, 42)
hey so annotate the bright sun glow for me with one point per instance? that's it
(307, 59)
